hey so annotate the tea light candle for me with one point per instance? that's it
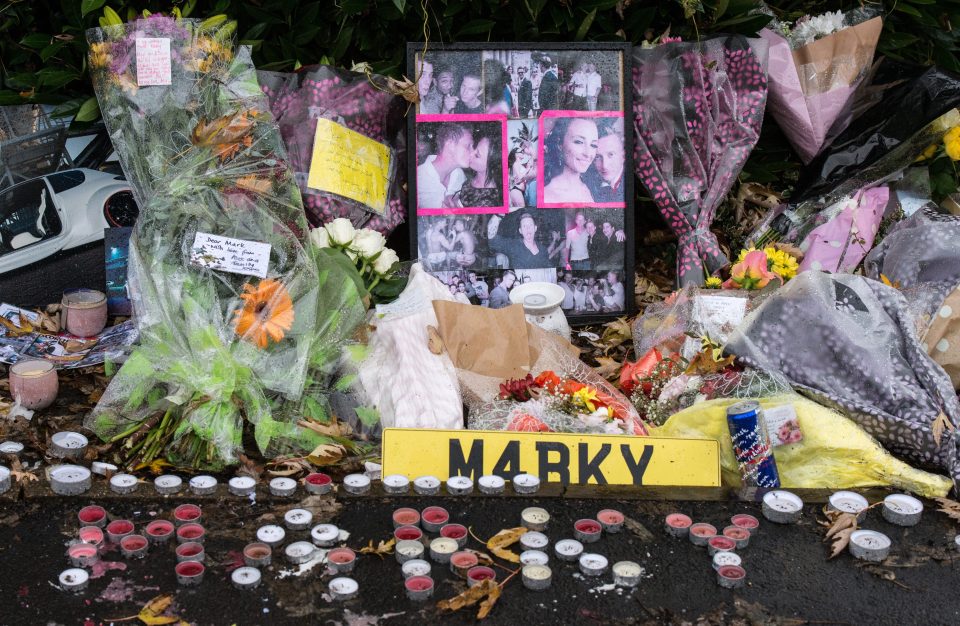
(271, 534)
(426, 485)
(67, 445)
(407, 533)
(627, 573)
(416, 567)
(731, 576)
(186, 513)
(740, 536)
(534, 518)
(244, 578)
(457, 532)
(257, 554)
(168, 484)
(118, 529)
(5, 481)
(725, 558)
(747, 522)
(491, 484)
(441, 549)
(396, 484)
(191, 532)
(159, 531)
(134, 546)
(568, 549)
(341, 560)
(611, 520)
(406, 517)
(242, 486)
(478, 574)
(433, 518)
(189, 573)
(902, 510)
(103, 469)
(848, 502)
(533, 540)
(678, 524)
(83, 554)
(93, 515)
(782, 507)
(69, 480)
(408, 550)
(462, 562)
(536, 577)
(74, 579)
(91, 535)
(526, 484)
(123, 483)
(34, 383)
(869, 545)
(534, 557)
(587, 530)
(191, 551)
(356, 484)
(299, 552)
(11, 447)
(459, 486)
(84, 312)
(203, 485)
(701, 533)
(298, 519)
(593, 564)
(318, 483)
(324, 535)
(283, 487)
(342, 589)
(419, 588)
(720, 544)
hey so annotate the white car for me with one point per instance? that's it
(60, 211)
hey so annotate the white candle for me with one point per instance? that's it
(568, 549)
(123, 483)
(203, 484)
(534, 557)
(325, 535)
(459, 485)
(426, 485)
(627, 573)
(535, 518)
(536, 577)
(297, 519)
(343, 588)
(592, 564)
(356, 484)
(299, 551)
(526, 483)
(534, 540)
(869, 545)
(848, 502)
(415, 567)
(242, 485)
(11, 447)
(491, 484)
(282, 486)
(396, 483)
(271, 535)
(167, 484)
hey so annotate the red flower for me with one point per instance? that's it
(520, 389)
(548, 380)
(528, 424)
(633, 374)
(570, 387)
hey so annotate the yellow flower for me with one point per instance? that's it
(929, 152)
(953, 149)
(783, 264)
(585, 397)
(99, 55)
(744, 253)
(713, 283)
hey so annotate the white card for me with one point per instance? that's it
(717, 316)
(782, 425)
(153, 61)
(237, 256)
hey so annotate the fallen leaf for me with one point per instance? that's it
(637, 529)
(17, 471)
(499, 543)
(941, 423)
(249, 468)
(287, 467)
(482, 557)
(326, 454)
(155, 466)
(950, 507)
(384, 547)
(617, 332)
(840, 528)
(486, 590)
(492, 596)
(150, 614)
(609, 368)
(334, 428)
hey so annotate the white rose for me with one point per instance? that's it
(320, 237)
(341, 231)
(350, 254)
(385, 261)
(368, 243)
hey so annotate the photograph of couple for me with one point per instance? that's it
(460, 165)
(582, 161)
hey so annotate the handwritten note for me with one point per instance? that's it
(237, 256)
(717, 316)
(153, 61)
(351, 165)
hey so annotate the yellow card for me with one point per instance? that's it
(351, 165)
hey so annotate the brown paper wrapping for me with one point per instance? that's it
(856, 43)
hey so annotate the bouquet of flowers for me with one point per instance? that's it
(755, 269)
(240, 322)
(368, 249)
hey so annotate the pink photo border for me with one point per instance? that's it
(474, 117)
(541, 140)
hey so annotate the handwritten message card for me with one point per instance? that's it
(153, 61)
(237, 256)
(349, 164)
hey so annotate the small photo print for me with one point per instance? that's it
(491, 288)
(581, 160)
(587, 292)
(60, 350)
(461, 164)
(526, 239)
(520, 83)
(450, 83)
(593, 239)
(451, 242)
(590, 80)
(522, 163)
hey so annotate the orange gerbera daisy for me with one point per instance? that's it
(266, 314)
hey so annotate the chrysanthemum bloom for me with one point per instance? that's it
(267, 313)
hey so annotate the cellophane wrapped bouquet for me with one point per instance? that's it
(231, 335)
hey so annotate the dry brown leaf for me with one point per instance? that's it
(254, 184)
(704, 363)
(940, 424)
(487, 590)
(334, 428)
(326, 454)
(225, 135)
(16, 331)
(492, 596)
(609, 368)
(155, 466)
(150, 614)
(950, 507)
(249, 468)
(384, 547)
(288, 467)
(841, 527)
(616, 332)
(482, 557)
(499, 543)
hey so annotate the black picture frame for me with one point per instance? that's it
(628, 222)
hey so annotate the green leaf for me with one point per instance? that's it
(720, 9)
(89, 6)
(906, 8)
(400, 4)
(344, 383)
(475, 27)
(89, 111)
(368, 417)
(585, 26)
(36, 41)
(51, 50)
(55, 77)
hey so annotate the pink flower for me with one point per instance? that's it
(751, 272)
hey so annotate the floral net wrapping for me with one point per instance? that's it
(299, 99)
(204, 156)
(698, 108)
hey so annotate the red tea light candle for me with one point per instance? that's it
(478, 574)
(93, 515)
(318, 483)
(407, 533)
(611, 520)
(159, 531)
(341, 560)
(189, 573)
(433, 518)
(84, 312)
(191, 551)
(134, 546)
(457, 532)
(462, 562)
(257, 554)
(719, 543)
(91, 535)
(187, 513)
(740, 536)
(34, 383)
(700, 534)
(747, 522)
(587, 530)
(83, 554)
(419, 588)
(678, 524)
(118, 529)
(191, 532)
(406, 517)
(731, 576)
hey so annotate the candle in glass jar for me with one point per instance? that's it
(34, 384)
(84, 312)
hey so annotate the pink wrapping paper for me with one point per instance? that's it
(841, 243)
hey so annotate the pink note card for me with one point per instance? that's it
(153, 61)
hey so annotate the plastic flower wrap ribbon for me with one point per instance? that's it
(698, 108)
(226, 335)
